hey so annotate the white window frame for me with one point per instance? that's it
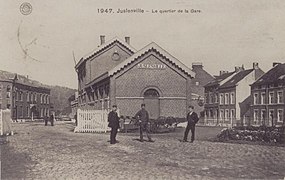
(278, 119)
(221, 98)
(261, 111)
(262, 98)
(255, 98)
(227, 98)
(279, 101)
(255, 115)
(222, 114)
(233, 113)
(271, 98)
(227, 114)
(210, 98)
(232, 98)
(271, 110)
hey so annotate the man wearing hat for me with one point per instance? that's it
(192, 119)
(143, 118)
(113, 120)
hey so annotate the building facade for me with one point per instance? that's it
(267, 96)
(25, 99)
(115, 73)
(228, 103)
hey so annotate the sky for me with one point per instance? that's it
(224, 34)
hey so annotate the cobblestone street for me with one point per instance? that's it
(39, 152)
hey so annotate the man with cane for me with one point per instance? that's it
(143, 119)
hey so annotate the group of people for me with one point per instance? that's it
(143, 121)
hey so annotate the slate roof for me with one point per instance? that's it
(105, 46)
(8, 76)
(158, 49)
(276, 74)
(218, 79)
(236, 78)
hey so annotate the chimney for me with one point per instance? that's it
(223, 72)
(127, 39)
(197, 65)
(238, 69)
(275, 64)
(102, 39)
(255, 65)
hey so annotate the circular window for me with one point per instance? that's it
(116, 56)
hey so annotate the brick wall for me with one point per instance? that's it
(169, 82)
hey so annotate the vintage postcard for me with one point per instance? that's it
(161, 89)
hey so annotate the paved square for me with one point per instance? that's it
(39, 152)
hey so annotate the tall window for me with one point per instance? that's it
(255, 98)
(8, 91)
(206, 98)
(227, 114)
(255, 115)
(210, 98)
(28, 96)
(263, 115)
(41, 98)
(47, 99)
(233, 114)
(280, 115)
(233, 98)
(271, 116)
(216, 98)
(221, 98)
(227, 98)
(222, 115)
(262, 98)
(271, 97)
(28, 111)
(279, 97)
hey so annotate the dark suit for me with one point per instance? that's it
(192, 120)
(113, 120)
(143, 116)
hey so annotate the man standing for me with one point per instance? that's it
(192, 119)
(51, 119)
(113, 120)
(143, 118)
(46, 119)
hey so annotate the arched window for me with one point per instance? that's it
(151, 93)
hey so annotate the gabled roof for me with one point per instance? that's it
(105, 46)
(236, 78)
(158, 49)
(20, 79)
(276, 74)
(218, 79)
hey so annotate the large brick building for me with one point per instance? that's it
(115, 73)
(228, 100)
(23, 97)
(267, 96)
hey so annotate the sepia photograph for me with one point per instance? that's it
(161, 89)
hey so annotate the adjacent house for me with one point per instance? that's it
(228, 102)
(267, 96)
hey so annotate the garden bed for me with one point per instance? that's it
(272, 135)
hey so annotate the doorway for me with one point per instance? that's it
(151, 101)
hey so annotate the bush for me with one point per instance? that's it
(262, 133)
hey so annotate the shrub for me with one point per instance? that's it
(262, 133)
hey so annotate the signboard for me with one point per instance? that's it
(151, 66)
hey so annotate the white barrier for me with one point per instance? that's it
(92, 121)
(5, 122)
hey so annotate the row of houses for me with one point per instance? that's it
(246, 97)
(25, 98)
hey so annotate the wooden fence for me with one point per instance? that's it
(89, 120)
(5, 122)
